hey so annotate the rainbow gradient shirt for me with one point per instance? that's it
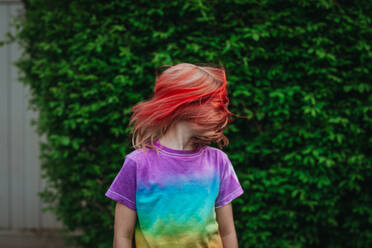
(175, 193)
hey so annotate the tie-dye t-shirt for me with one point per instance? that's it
(175, 193)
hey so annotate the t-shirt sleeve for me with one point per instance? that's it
(230, 187)
(123, 188)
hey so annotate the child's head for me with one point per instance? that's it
(184, 92)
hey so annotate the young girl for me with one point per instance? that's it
(174, 190)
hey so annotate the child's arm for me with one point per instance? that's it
(225, 219)
(125, 222)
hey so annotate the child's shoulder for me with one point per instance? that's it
(214, 149)
(217, 152)
(135, 154)
(140, 153)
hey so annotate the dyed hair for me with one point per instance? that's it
(184, 92)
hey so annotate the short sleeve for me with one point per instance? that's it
(230, 187)
(123, 188)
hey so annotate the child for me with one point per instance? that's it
(174, 190)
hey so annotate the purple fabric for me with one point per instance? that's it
(123, 188)
(181, 188)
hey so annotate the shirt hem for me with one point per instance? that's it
(233, 195)
(119, 198)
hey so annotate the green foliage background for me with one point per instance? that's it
(299, 69)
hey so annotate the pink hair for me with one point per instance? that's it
(184, 92)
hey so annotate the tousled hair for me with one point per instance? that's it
(184, 92)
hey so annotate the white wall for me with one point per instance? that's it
(20, 176)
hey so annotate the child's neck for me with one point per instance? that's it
(178, 137)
